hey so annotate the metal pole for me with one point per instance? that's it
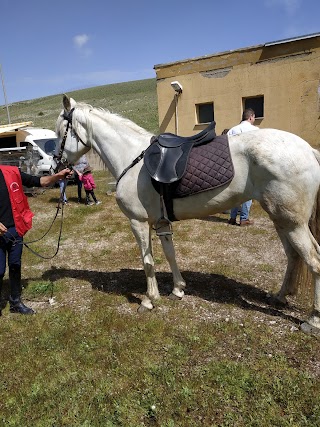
(5, 96)
(176, 95)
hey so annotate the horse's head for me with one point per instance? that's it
(72, 132)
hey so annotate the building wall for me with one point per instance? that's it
(286, 73)
(95, 161)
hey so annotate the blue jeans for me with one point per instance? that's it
(244, 211)
(11, 244)
(63, 185)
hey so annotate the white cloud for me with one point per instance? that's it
(80, 40)
(290, 6)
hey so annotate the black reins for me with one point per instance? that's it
(14, 241)
(135, 161)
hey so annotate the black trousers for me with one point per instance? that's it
(88, 194)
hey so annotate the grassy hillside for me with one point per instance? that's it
(136, 100)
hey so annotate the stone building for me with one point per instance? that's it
(280, 80)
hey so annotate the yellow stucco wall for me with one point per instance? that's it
(287, 74)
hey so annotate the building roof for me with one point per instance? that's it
(288, 40)
(14, 126)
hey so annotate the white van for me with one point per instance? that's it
(29, 148)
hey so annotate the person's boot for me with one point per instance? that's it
(245, 222)
(1, 302)
(232, 221)
(16, 305)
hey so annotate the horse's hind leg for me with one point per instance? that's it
(142, 233)
(178, 282)
(307, 247)
(289, 285)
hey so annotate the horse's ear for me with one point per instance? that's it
(66, 102)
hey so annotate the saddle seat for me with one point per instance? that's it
(170, 140)
(167, 156)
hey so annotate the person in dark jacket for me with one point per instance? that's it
(81, 164)
(15, 221)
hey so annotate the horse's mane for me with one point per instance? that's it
(87, 111)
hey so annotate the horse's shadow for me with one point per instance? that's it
(211, 287)
(215, 218)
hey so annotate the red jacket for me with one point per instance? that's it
(22, 214)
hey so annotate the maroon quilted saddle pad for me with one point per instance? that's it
(209, 166)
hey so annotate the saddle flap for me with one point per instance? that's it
(166, 165)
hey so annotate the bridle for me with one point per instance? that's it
(61, 161)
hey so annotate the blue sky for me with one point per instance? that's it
(52, 47)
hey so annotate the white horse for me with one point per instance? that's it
(277, 168)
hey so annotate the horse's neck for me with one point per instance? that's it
(118, 145)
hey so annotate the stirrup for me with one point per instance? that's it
(163, 222)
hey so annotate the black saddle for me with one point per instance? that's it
(167, 156)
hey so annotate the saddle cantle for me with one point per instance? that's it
(167, 156)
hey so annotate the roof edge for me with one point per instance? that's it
(259, 46)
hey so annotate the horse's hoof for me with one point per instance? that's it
(174, 297)
(143, 309)
(309, 329)
(276, 302)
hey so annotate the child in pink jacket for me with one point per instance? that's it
(88, 185)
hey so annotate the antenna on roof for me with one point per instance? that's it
(5, 96)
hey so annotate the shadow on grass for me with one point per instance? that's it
(211, 287)
(214, 218)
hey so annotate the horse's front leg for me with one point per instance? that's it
(178, 282)
(142, 233)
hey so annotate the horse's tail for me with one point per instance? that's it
(315, 217)
(316, 155)
(303, 279)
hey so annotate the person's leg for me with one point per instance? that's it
(65, 199)
(233, 215)
(94, 198)
(79, 191)
(79, 186)
(3, 258)
(244, 213)
(14, 262)
(63, 184)
(88, 201)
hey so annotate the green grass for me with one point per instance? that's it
(105, 369)
(220, 357)
(89, 359)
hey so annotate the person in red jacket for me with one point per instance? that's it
(15, 221)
